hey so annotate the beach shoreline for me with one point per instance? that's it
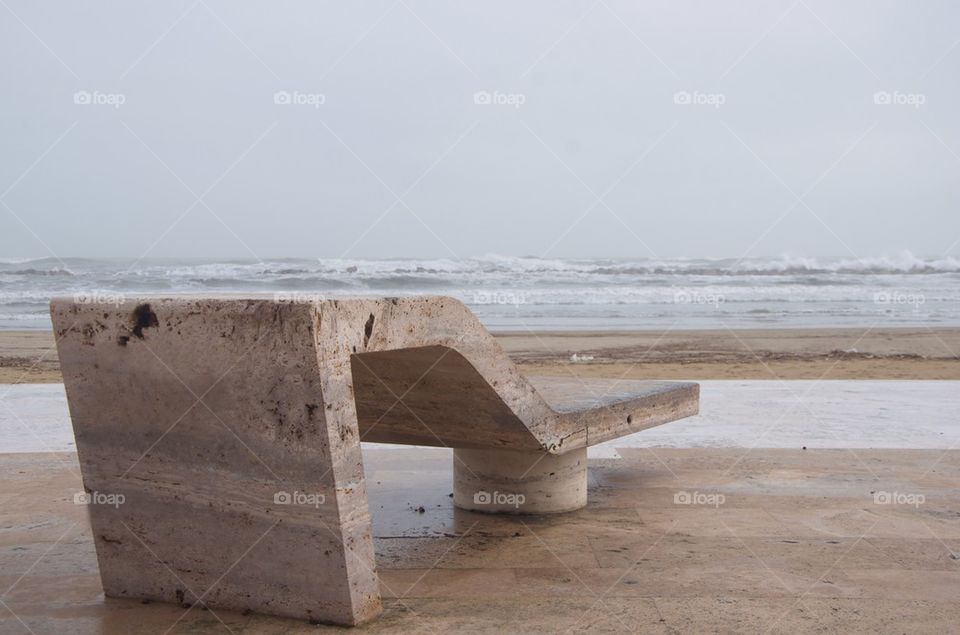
(770, 353)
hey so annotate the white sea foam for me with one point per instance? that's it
(517, 292)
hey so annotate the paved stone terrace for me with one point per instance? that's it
(780, 541)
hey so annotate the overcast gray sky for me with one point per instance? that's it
(613, 129)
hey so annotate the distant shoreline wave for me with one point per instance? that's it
(537, 292)
(904, 263)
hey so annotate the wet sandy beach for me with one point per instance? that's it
(880, 353)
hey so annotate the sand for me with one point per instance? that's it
(834, 353)
(830, 353)
(28, 357)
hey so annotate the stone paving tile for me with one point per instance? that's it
(932, 554)
(808, 615)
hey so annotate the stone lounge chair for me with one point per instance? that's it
(219, 439)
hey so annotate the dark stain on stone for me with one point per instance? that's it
(277, 411)
(123, 339)
(143, 318)
(367, 330)
(88, 331)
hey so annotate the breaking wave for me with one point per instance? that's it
(543, 292)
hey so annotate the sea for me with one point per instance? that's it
(519, 294)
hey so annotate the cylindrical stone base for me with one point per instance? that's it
(508, 482)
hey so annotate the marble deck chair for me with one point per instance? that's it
(219, 438)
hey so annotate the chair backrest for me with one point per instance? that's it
(222, 422)
(207, 418)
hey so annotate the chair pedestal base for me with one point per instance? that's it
(508, 482)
